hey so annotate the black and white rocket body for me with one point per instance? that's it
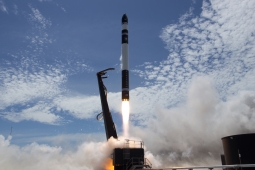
(125, 72)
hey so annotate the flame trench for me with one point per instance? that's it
(125, 117)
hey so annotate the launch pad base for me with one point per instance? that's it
(130, 157)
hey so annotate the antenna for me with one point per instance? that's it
(11, 131)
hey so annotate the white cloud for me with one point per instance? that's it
(36, 16)
(3, 8)
(28, 84)
(44, 0)
(63, 9)
(78, 137)
(84, 107)
(40, 39)
(40, 112)
(79, 106)
(28, 90)
(66, 141)
(21, 86)
(15, 9)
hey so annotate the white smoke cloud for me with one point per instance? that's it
(89, 155)
(190, 134)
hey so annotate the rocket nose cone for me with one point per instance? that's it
(124, 19)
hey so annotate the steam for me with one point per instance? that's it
(89, 155)
(190, 134)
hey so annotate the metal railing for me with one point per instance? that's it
(133, 144)
(134, 163)
(235, 167)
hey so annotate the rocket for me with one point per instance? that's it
(124, 52)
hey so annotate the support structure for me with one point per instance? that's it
(107, 116)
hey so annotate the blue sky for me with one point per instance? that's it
(191, 76)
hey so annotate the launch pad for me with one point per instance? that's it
(131, 156)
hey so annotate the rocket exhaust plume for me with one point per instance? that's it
(125, 74)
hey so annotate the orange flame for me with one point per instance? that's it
(109, 164)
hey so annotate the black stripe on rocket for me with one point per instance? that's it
(125, 72)
(124, 36)
(125, 85)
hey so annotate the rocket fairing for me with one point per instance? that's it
(124, 47)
